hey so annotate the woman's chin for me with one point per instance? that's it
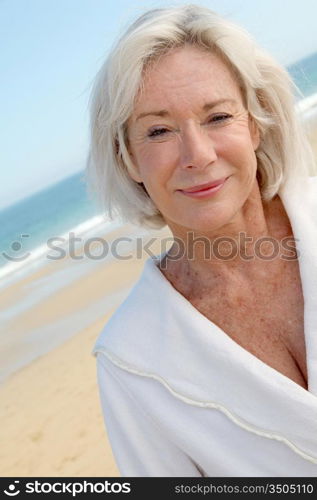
(200, 223)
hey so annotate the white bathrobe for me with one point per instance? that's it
(181, 398)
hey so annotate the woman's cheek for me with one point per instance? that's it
(159, 164)
(166, 156)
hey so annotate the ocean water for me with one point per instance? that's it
(27, 226)
(304, 74)
(43, 215)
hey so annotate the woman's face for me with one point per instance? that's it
(190, 128)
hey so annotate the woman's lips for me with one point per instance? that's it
(204, 190)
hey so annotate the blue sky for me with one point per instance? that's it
(50, 52)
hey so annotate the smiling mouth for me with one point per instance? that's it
(206, 188)
(203, 187)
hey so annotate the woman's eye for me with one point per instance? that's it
(219, 118)
(157, 132)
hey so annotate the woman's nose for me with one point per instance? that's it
(197, 149)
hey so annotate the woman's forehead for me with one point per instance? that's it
(187, 72)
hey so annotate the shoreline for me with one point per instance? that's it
(44, 309)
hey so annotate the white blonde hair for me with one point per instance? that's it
(267, 89)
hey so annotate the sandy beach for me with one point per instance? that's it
(51, 421)
(51, 424)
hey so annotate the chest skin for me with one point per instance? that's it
(267, 320)
(264, 315)
(263, 312)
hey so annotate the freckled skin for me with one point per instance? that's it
(259, 304)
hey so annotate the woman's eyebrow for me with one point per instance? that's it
(210, 105)
(164, 112)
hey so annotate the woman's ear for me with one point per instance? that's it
(254, 132)
(133, 171)
(130, 166)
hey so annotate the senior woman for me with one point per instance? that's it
(209, 367)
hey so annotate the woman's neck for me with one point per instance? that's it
(246, 248)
